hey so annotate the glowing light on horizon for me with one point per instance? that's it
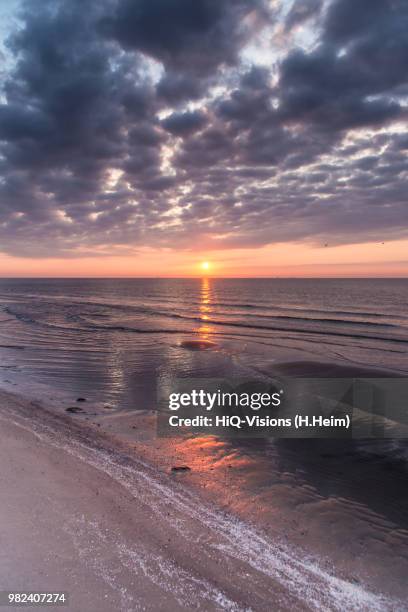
(205, 266)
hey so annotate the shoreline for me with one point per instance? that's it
(137, 532)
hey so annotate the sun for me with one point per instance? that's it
(205, 266)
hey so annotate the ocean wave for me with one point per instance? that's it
(295, 330)
(282, 318)
(332, 314)
(83, 325)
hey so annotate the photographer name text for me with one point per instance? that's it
(227, 421)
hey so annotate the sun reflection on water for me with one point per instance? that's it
(205, 307)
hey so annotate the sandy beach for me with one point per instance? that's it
(80, 514)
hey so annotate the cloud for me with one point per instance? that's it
(202, 34)
(301, 11)
(179, 124)
(175, 87)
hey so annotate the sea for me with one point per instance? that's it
(113, 342)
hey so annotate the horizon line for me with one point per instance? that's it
(203, 276)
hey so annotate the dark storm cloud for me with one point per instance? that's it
(139, 122)
(181, 124)
(350, 78)
(202, 34)
(175, 87)
(300, 11)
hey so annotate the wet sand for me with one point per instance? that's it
(340, 501)
(83, 514)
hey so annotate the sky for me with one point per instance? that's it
(142, 137)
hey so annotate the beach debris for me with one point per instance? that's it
(197, 345)
(81, 399)
(181, 468)
(74, 409)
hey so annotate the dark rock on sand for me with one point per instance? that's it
(197, 345)
(180, 468)
(81, 399)
(74, 409)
